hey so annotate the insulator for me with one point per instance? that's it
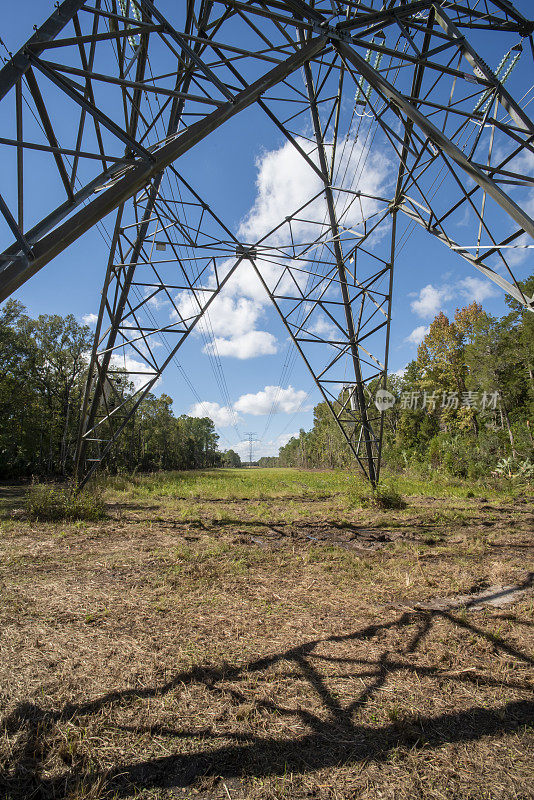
(134, 40)
(361, 92)
(487, 97)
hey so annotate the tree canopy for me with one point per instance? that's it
(43, 370)
(463, 404)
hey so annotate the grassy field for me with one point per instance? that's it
(259, 634)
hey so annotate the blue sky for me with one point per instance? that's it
(236, 169)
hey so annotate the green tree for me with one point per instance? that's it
(59, 368)
(231, 459)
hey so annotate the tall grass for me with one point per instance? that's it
(231, 484)
(50, 504)
(382, 497)
(260, 484)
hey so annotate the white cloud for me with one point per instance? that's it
(137, 372)
(285, 401)
(222, 416)
(248, 345)
(158, 301)
(477, 289)
(268, 448)
(324, 329)
(286, 182)
(430, 300)
(284, 438)
(90, 319)
(228, 316)
(416, 337)
(234, 316)
(230, 323)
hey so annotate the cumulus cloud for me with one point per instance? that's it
(286, 182)
(228, 316)
(247, 345)
(268, 448)
(285, 401)
(90, 319)
(126, 372)
(324, 329)
(477, 289)
(281, 401)
(158, 301)
(430, 300)
(222, 416)
(416, 337)
(231, 323)
(139, 373)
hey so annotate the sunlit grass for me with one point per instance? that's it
(50, 504)
(238, 484)
(218, 608)
(274, 483)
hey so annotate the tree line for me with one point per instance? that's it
(43, 371)
(465, 404)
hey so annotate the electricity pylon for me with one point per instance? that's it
(408, 115)
(251, 439)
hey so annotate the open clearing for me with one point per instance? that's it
(250, 634)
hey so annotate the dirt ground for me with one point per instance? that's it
(282, 647)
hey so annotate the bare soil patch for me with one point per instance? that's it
(265, 649)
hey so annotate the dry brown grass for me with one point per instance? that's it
(267, 650)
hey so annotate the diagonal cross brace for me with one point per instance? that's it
(146, 389)
(407, 209)
(137, 175)
(21, 61)
(505, 98)
(381, 85)
(368, 433)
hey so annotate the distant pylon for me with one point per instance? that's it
(252, 438)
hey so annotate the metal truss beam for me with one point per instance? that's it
(368, 433)
(436, 136)
(147, 82)
(130, 178)
(20, 63)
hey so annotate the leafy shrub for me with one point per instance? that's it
(382, 496)
(515, 468)
(467, 456)
(49, 504)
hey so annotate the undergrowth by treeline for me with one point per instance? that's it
(471, 358)
(43, 369)
(52, 504)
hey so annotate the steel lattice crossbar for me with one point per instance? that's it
(108, 98)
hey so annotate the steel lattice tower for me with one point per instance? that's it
(107, 98)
